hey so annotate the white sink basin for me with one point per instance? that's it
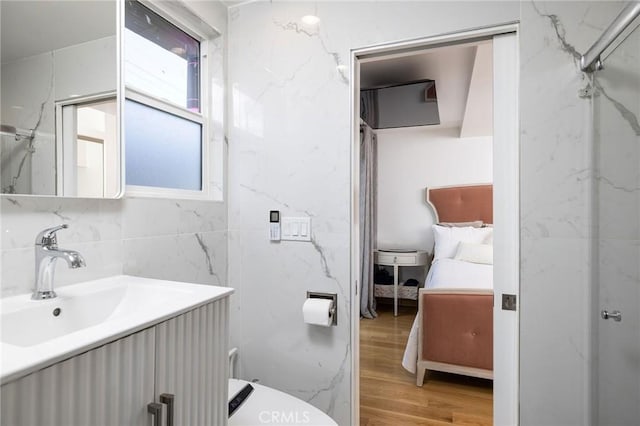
(37, 333)
(36, 322)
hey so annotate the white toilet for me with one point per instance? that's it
(266, 406)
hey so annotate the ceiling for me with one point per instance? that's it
(231, 3)
(452, 68)
(33, 27)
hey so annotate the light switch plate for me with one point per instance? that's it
(296, 229)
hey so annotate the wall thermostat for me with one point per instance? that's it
(274, 225)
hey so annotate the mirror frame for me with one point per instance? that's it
(119, 93)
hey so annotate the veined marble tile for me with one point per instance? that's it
(617, 139)
(171, 217)
(89, 220)
(555, 334)
(235, 269)
(96, 58)
(559, 212)
(31, 89)
(217, 137)
(274, 291)
(556, 151)
(618, 342)
(27, 104)
(196, 258)
(103, 259)
(616, 112)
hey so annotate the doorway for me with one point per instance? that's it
(506, 214)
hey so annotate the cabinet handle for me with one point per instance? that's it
(167, 398)
(156, 411)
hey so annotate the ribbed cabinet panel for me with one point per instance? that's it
(192, 364)
(109, 386)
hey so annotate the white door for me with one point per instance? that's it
(506, 217)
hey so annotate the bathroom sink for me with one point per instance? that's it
(39, 321)
(36, 333)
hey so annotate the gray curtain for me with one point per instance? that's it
(368, 206)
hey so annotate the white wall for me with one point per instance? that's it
(411, 159)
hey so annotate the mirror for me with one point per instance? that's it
(58, 98)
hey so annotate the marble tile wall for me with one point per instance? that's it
(168, 239)
(30, 88)
(617, 243)
(289, 149)
(95, 231)
(560, 212)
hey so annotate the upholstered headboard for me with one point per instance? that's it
(464, 203)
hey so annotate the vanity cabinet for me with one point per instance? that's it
(109, 385)
(112, 385)
(192, 363)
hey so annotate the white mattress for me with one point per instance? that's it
(451, 273)
(447, 273)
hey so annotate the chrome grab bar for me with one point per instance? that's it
(590, 61)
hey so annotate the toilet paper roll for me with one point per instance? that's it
(317, 311)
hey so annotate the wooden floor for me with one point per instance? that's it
(388, 393)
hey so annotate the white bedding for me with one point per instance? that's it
(447, 273)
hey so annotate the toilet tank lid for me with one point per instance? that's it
(270, 406)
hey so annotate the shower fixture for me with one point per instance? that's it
(8, 130)
(28, 150)
(5, 128)
(592, 61)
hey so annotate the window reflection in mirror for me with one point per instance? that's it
(89, 135)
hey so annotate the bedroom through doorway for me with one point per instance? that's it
(426, 175)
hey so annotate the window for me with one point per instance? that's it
(88, 131)
(167, 154)
(161, 59)
(164, 121)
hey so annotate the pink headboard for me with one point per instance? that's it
(464, 203)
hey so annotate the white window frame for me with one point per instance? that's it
(66, 150)
(186, 21)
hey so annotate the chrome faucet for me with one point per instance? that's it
(47, 252)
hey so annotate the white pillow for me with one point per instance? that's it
(446, 239)
(489, 239)
(475, 253)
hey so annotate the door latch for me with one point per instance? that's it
(509, 302)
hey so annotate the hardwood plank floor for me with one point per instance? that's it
(388, 393)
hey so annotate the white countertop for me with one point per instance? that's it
(115, 307)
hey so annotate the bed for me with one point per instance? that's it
(453, 331)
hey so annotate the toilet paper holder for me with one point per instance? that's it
(334, 303)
